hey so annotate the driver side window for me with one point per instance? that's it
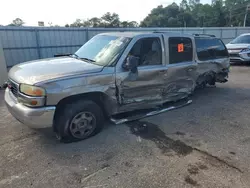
(148, 51)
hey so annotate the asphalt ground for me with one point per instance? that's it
(204, 144)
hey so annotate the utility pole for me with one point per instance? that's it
(245, 19)
(202, 18)
(230, 17)
(184, 22)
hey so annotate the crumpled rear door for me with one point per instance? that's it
(181, 76)
(180, 81)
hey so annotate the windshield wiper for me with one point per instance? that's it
(87, 59)
(82, 58)
(74, 55)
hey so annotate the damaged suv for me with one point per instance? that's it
(111, 74)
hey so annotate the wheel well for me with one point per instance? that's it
(98, 97)
(205, 77)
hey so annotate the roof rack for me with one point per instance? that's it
(194, 34)
(162, 32)
(197, 35)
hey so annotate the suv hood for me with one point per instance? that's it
(237, 46)
(33, 72)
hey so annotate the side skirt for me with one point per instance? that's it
(139, 114)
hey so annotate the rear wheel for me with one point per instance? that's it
(78, 121)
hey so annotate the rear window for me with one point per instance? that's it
(210, 48)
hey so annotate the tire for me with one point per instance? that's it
(71, 122)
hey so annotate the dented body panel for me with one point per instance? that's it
(212, 68)
(122, 90)
(101, 82)
(155, 84)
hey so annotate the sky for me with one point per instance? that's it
(61, 12)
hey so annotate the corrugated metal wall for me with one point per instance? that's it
(22, 44)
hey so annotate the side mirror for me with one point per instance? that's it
(131, 64)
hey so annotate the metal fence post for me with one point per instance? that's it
(38, 43)
(3, 66)
(87, 34)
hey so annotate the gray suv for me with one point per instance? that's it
(111, 74)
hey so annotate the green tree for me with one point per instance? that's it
(192, 13)
(129, 24)
(77, 23)
(186, 19)
(219, 14)
(107, 20)
(96, 22)
(193, 3)
(156, 18)
(17, 22)
(163, 17)
(184, 5)
(111, 20)
(170, 16)
(235, 11)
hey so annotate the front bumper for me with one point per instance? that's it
(41, 117)
(239, 57)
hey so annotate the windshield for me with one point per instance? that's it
(103, 49)
(241, 39)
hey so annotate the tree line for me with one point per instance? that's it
(107, 20)
(221, 13)
(189, 13)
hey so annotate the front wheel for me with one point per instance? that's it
(78, 121)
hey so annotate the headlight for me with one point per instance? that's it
(32, 90)
(245, 50)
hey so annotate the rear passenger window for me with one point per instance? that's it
(210, 48)
(180, 49)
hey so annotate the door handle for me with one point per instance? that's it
(162, 71)
(190, 69)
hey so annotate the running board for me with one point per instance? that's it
(139, 115)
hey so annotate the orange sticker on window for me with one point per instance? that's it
(180, 47)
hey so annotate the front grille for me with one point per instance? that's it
(13, 88)
(234, 55)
